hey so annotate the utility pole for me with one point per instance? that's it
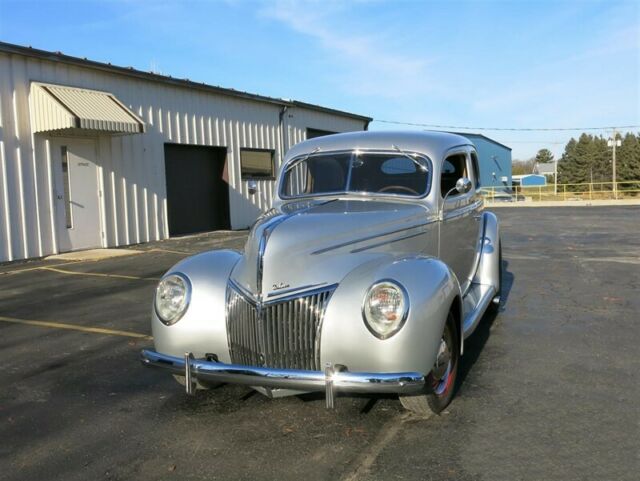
(613, 143)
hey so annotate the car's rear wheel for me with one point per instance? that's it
(441, 379)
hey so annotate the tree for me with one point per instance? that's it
(588, 159)
(544, 156)
(521, 167)
(628, 158)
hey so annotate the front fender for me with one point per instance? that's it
(345, 339)
(202, 328)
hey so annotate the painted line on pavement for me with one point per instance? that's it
(73, 327)
(28, 269)
(388, 432)
(99, 274)
(182, 253)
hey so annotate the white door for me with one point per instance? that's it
(77, 194)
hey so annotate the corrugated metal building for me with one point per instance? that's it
(494, 159)
(93, 155)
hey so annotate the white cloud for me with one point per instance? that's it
(368, 65)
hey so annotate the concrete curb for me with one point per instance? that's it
(93, 254)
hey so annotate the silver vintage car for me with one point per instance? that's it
(375, 263)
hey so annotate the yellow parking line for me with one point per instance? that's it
(157, 249)
(99, 274)
(60, 325)
(27, 269)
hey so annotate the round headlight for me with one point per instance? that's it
(385, 308)
(172, 298)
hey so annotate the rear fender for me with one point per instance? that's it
(488, 271)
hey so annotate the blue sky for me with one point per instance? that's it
(518, 64)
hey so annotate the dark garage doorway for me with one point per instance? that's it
(197, 194)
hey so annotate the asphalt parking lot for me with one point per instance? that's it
(549, 387)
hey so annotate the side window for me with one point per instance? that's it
(476, 169)
(454, 167)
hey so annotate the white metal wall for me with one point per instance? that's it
(134, 202)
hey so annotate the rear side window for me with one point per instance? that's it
(454, 167)
(476, 169)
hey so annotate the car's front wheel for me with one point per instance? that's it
(442, 378)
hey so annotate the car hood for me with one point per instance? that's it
(310, 244)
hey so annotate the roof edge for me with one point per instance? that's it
(14, 49)
(484, 137)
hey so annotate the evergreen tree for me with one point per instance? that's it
(628, 158)
(566, 165)
(589, 159)
(600, 160)
(544, 156)
(576, 165)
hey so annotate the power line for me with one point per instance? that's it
(558, 129)
(536, 142)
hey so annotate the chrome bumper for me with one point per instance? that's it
(333, 379)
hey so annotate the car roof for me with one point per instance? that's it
(433, 144)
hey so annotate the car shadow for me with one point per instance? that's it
(474, 345)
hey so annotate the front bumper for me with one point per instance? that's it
(333, 378)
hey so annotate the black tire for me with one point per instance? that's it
(441, 390)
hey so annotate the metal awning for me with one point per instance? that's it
(62, 108)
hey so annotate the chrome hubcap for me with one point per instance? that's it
(442, 360)
(442, 367)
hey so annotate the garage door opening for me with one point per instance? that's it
(197, 192)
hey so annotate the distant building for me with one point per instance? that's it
(529, 180)
(546, 169)
(494, 158)
(95, 155)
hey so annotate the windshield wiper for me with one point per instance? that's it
(301, 159)
(420, 165)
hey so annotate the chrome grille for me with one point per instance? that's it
(281, 334)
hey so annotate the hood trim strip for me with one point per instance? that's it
(371, 237)
(390, 241)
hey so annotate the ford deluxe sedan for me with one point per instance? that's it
(375, 263)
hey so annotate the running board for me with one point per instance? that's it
(475, 303)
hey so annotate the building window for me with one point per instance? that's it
(313, 133)
(257, 163)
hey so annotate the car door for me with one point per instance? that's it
(459, 229)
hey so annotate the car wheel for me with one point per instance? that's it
(442, 377)
(495, 302)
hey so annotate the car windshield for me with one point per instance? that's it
(331, 173)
